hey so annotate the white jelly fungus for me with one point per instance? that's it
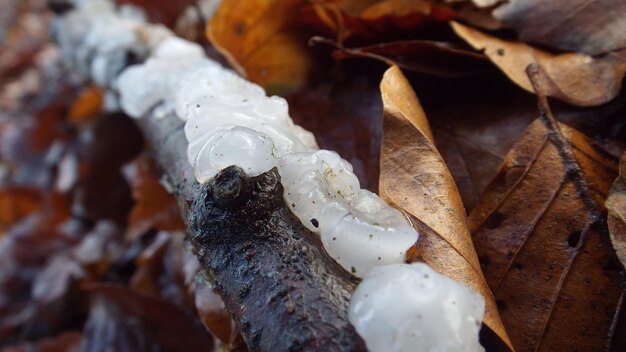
(230, 121)
(410, 307)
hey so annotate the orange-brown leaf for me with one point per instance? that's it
(15, 203)
(154, 207)
(544, 245)
(575, 78)
(616, 204)
(415, 178)
(258, 40)
(379, 18)
(87, 104)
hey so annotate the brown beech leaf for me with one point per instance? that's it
(424, 56)
(543, 242)
(414, 178)
(575, 78)
(590, 26)
(257, 39)
(475, 139)
(616, 204)
(154, 207)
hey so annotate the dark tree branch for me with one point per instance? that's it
(282, 289)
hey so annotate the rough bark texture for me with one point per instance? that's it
(280, 286)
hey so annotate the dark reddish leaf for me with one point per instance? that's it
(154, 207)
(161, 269)
(213, 313)
(65, 342)
(346, 119)
(155, 321)
(424, 56)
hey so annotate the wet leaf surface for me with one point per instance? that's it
(592, 27)
(414, 178)
(544, 244)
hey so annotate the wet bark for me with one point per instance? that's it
(282, 289)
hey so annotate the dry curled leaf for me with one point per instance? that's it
(257, 39)
(616, 204)
(575, 78)
(415, 178)
(544, 245)
(590, 26)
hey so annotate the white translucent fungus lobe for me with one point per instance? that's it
(357, 228)
(143, 87)
(251, 150)
(410, 307)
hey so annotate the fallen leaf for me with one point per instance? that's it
(154, 207)
(424, 56)
(616, 204)
(373, 20)
(475, 128)
(54, 280)
(66, 342)
(88, 103)
(258, 40)
(590, 26)
(15, 203)
(213, 313)
(157, 320)
(575, 78)
(415, 179)
(544, 245)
